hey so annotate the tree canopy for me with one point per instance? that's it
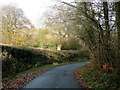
(95, 23)
(13, 17)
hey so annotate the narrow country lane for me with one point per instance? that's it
(59, 77)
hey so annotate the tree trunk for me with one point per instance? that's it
(117, 6)
(106, 46)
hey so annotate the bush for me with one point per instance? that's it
(70, 44)
(84, 54)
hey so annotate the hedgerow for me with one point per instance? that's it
(16, 59)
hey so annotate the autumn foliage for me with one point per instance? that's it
(107, 67)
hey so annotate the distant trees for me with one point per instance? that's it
(41, 38)
(12, 18)
(60, 21)
(15, 28)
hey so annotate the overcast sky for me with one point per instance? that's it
(33, 9)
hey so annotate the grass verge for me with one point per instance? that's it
(22, 78)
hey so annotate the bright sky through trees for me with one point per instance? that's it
(33, 9)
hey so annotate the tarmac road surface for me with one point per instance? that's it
(58, 77)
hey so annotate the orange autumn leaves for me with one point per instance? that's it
(107, 67)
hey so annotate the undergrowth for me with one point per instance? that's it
(99, 78)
